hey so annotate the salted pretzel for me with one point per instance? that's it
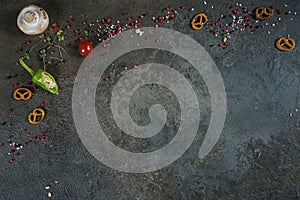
(22, 94)
(285, 44)
(263, 13)
(198, 21)
(36, 116)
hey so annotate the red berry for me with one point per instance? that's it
(85, 48)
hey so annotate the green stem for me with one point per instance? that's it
(26, 67)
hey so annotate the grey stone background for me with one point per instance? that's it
(257, 156)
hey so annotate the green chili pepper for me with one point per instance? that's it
(41, 78)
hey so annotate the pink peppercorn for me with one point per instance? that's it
(171, 16)
(235, 12)
(246, 18)
(191, 9)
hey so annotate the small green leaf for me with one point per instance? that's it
(43, 51)
(61, 63)
(61, 38)
(49, 42)
(26, 56)
(42, 36)
(42, 54)
(86, 33)
(49, 62)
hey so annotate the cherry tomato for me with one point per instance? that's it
(85, 48)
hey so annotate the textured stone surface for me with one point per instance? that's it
(257, 156)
